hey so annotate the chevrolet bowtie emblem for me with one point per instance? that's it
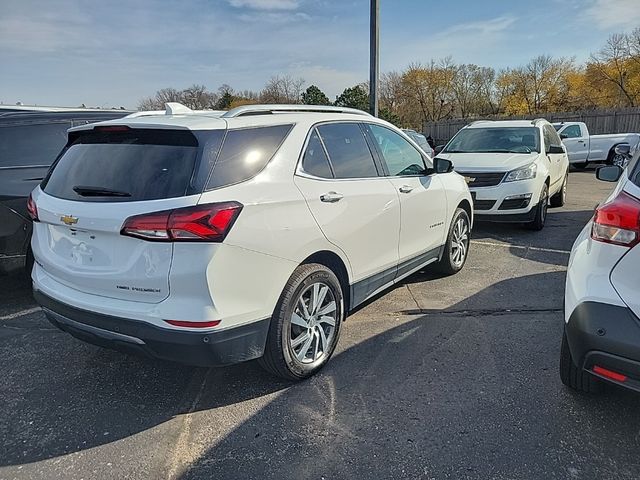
(469, 179)
(69, 219)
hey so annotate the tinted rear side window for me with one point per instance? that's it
(348, 150)
(315, 161)
(28, 145)
(245, 152)
(133, 165)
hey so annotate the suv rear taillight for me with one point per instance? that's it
(201, 223)
(618, 222)
(32, 209)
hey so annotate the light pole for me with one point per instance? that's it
(374, 63)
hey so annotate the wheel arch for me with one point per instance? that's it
(466, 206)
(333, 262)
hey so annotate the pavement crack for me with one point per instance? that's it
(413, 296)
(478, 312)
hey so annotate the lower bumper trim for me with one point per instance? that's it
(225, 347)
(607, 336)
(507, 217)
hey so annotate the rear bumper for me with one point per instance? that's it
(216, 348)
(607, 336)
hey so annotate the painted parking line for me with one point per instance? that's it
(520, 247)
(19, 314)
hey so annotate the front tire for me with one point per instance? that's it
(618, 160)
(306, 323)
(541, 211)
(573, 376)
(457, 247)
(560, 198)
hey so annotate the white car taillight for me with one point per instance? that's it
(618, 222)
(32, 209)
(201, 223)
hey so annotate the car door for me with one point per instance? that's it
(27, 150)
(423, 201)
(355, 206)
(577, 144)
(556, 161)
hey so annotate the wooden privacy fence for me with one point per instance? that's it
(598, 121)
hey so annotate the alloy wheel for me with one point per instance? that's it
(313, 324)
(459, 242)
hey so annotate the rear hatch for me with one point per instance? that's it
(103, 177)
(624, 275)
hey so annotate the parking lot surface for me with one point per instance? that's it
(438, 378)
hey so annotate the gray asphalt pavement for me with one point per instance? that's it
(438, 378)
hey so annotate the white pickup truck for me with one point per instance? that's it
(583, 148)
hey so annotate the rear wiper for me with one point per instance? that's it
(85, 191)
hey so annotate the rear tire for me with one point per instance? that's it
(456, 249)
(541, 211)
(573, 376)
(305, 326)
(560, 198)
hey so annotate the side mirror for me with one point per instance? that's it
(611, 173)
(623, 149)
(440, 165)
(553, 149)
(563, 136)
(438, 149)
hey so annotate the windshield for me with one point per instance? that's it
(495, 140)
(558, 126)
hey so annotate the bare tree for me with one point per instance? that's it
(197, 97)
(161, 97)
(282, 89)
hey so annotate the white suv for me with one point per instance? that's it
(601, 338)
(514, 169)
(212, 238)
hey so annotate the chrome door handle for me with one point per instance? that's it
(331, 197)
(405, 189)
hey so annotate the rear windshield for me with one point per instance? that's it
(31, 145)
(495, 140)
(124, 166)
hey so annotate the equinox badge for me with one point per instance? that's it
(69, 219)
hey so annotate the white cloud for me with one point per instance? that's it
(495, 25)
(274, 17)
(265, 4)
(607, 14)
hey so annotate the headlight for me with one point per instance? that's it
(524, 173)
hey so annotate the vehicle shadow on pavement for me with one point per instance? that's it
(61, 396)
(458, 395)
(15, 293)
(387, 404)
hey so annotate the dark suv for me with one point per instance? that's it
(29, 143)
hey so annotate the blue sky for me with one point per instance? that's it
(106, 53)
